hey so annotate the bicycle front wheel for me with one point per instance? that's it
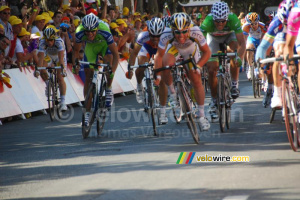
(254, 85)
(221, 103)
(186, 102)
(151, 104)
(101, 114)
(290, 115)
(90, 95)
(51, 99)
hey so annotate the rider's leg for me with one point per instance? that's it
(234, 71)
(165, 85)
(276, 100)
(139, 73)
(213, 84)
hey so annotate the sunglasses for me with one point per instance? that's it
(155, 36)
(253, 24)
(49, 40)
(177, 32)
(6, 13)
(90, 31)
(220, 21)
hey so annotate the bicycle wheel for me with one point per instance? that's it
(228, 107)
(51, 99)
(56, 100)
(221, 103)
(90, 95)
(254, 85)
(290, 115)
(177, 111)
(188, 112)
(151, 104)
(101, 113)
(156, 102)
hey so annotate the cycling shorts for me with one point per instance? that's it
(50, 59)
(92, 50)
(254, 41)
(279, 39)
(147, 51)
(213, 43)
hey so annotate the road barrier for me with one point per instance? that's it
(28, 93)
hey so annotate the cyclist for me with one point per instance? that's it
(253, 30)
(222, 26)
(276, 33)
(145, 47)
(98, 41)
(183, 41)
(292, 18)
(51, 51)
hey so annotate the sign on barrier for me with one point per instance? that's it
(23, 93)
(38, 85)
(8, 104)
(76, 83)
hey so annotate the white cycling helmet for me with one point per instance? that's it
(180, 21)
(220, 10)
(156, 26)
(90, 22)
(49, 33)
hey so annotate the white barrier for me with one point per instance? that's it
(28, 93)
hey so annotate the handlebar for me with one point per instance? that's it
(274, 59)
(145, 65)
(223, 54)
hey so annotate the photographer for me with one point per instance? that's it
(66, 36)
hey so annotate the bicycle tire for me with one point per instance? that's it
(291, 123)
(177, 111)
(90, 94)
(101, 113)
(221, 103)
(253, 81)
(188, 112)
(151, 104)
(51, 99)
(56, 101)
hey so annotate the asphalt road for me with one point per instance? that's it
(40, 159)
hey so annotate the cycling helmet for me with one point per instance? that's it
(90, 22)
(220, 10)
(284, 10)
(156, 26)
(49, 33)
(180, 21)
(166, 20)
(252, 17)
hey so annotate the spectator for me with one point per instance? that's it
(125, 12)
(27, 56)
(39, 25)
(112, 14)
(90, 4)
(122, 25)
(137, 27)
(77, 6)
(66, 10)
(57, 18)
(242, 18)
(2, 32)
(4, 16)
(16, 51)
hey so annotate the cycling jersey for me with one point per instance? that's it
(51, 53)
(233, 25)
(293, 23)
(103, 34)
(148, 48)
(98, 46)
(168, 37)
(190, 46)
(59, 45)
(275, 27)
(256, 34)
